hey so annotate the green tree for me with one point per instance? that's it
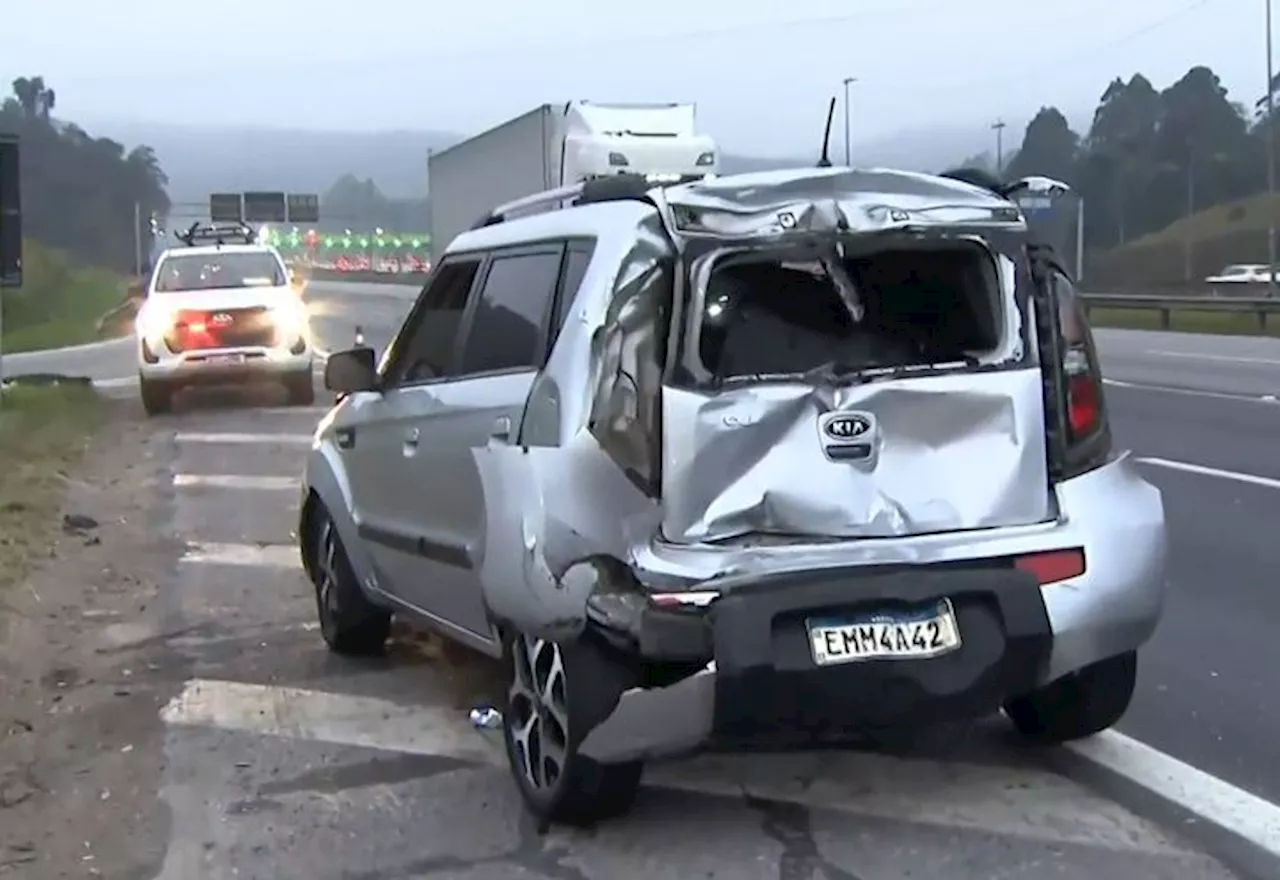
(1049, 147)
(80, 192)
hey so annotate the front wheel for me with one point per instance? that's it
(349, 622)
(1079, 704)
(558, 693)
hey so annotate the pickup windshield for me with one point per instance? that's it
(181, 272)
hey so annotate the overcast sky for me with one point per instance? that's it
(760, 70)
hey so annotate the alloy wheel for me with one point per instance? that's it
(538, 713)
(327, 573)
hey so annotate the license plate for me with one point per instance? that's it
(225, 359)
(927, 632)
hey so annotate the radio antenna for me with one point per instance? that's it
(825, 160)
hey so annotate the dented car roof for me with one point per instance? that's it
(810, 200)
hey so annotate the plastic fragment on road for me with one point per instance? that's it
(486, 718)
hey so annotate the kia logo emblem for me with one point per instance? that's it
(222, 319)
(847, 426)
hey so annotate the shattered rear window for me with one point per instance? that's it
(891, 306)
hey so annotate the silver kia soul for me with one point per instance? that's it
(761, 460)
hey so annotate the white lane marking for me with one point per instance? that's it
(294, 713)
(86, 347)
(1201, 794)
(234, 481)
(1203, 470)
(1191, 392)
(293, 410)
(122, 382)
(1225, 358)
(197, 437)
(1016, 801)
(264, 555)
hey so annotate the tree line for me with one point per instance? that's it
(78, 191)
(1150, 156)
(359, 205)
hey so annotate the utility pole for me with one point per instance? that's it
(137, 239)
(848, 146)
(998, 127)
(1271, 161)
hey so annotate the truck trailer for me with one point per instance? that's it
(557, 145)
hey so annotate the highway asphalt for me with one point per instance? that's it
(1200, 413)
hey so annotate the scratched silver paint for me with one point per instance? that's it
(955, 451)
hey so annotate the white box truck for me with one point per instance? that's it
(556, 145)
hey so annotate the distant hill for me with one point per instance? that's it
(201, 160)
(1234, 232)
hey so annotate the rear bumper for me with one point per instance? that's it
(763, 687)
(758, 681)
(209, 367)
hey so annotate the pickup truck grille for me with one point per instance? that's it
(222, 328)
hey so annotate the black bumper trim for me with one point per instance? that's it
(769, 688)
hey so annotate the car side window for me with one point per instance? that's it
(425, 347)
(576, 260)
(511, 313)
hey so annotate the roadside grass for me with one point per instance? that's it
(43, 434)
(1234, 232)
(87, 295)
(1222, 323)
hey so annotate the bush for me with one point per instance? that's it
(58, 303)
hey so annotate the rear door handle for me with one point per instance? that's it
(501, 429)
(411, 437)
(346, 438)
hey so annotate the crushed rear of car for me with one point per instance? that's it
(846, 469)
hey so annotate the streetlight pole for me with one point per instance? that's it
(1271, 162)
(998, 127)
(848, 149)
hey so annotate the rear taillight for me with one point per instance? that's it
(1087, 438)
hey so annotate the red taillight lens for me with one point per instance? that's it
(1084, 405)
(1083, 378)
(1052, 566)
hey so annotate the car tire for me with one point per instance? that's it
(301, 389)
(557, 693)
(157, 396)
(350, 624)
(1079, 704)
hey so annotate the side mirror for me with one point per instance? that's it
(351, 371)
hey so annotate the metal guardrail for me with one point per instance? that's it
(1262, 308)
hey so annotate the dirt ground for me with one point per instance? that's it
(83, 672)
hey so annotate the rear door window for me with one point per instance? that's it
(511, 312)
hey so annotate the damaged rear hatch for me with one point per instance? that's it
(852, 361)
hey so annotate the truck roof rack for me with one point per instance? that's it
(217, 234)
(614, 188)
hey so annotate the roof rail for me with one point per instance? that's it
(614, 188)
(217, 234)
